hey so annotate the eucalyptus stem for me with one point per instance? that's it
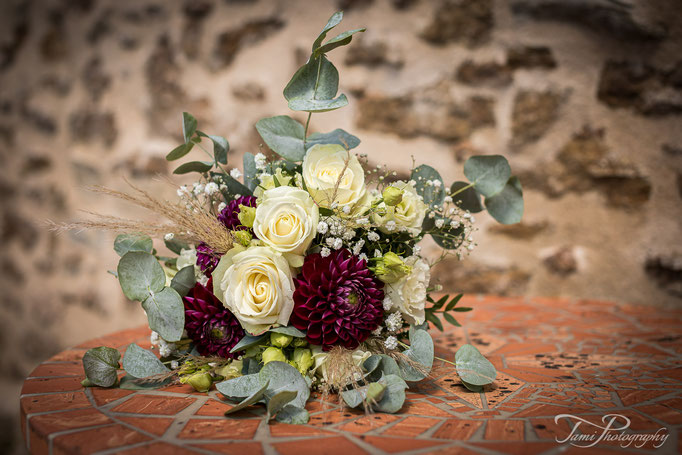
(213, 158)
(464, 188)
(310, 114)
(435, 357)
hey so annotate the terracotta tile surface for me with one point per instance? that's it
(554, 356)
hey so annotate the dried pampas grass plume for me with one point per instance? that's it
(188, 220)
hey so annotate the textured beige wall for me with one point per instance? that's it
(584, 98)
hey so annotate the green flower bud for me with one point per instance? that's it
(280, 340)
(273, 354)
(242, 237)
(299, 342)
(232, 370)
(392, 196)
(390, 268)
(303, 359)
(246, 215)
(187, 368)
(201, 382)
(375, 392)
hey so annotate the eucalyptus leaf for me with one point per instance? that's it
(250, 179)
(473, 388)
(507, 205)
(354, 397)
(283, 135)
(251, 399)
(166, 314)
(189, 126)
(279, 400)
(470, 199)
(290, 330)
(239, 387)
(129, 382)
(318, 105)
(338, 136)
(235, 187)
(340, 40)
(184, 280)
(333, 21)
(394, 395)
(421, 352)
(176, 246)
(293, 415)
(194, 166)
(141, 363)
(473, 367)
(307, 84)
(424, 176)
(379, 365)
(251, 366)
(132, 242)
(282, 376)
(101, 366)
(447, 237)
(220, 148)
(180, 151)
(489, 173)
(246, 342)
(140, 274)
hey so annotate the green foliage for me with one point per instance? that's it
(254, 398)
(421, 352)
(239, 387)
(220, 147)
(290, 330)
(282, 376)
(250, 179)
(392, 394)
(292, 414)
(318, 105)
(247, 342)
(424, 175)
(378, 365)
(176, 246)
(132, 242)
(468, 198)
(280, 399)
(283, 135)
(140, 274)
(179, 151)
(166, 313)
(340, 40)
(444, 307)
(338, 136)
(101, 366)
(507, 205)
(140, 363)
(473, 368)
(184, 280)
(189, 126)
(488, 173)
(194, 166)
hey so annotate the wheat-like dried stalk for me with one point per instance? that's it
(188, 220)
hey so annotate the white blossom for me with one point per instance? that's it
(391, 343)
(416, 249)
(260, 161)
(322, 228)
(394, 322)
(376, 332)
(182, 191)
(346, 209)
(387, 303)
(439, 223)
(390, 225)
(169, 236)
(377, 253)
(221, 206)
(235, 173)
(174, 365)
(338, 243)
(372, 236)
(447, 199)
(154, 338)
(348, 234)
(358, 247)
(211, 188)
(436, 183)
(202, 280)
(325, 252)
(363, 257)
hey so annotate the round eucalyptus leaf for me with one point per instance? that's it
(489, 173)
(132, 242)
(282, 376)
(304, 84)
(255, 397)
(101, 366)
(468, 199)
(141, 363)
(166, 313)
(283, 135)
(385, 365)
(129, 382)
(341, 39)
(239, 387)
(507, 205)
(184, 280)
(318, 105)
(140, 274)
(246, 342)
(279, 400)
(473, 368)
(292, 414)
(250, 171)
(429, 185)
(394, 394)
(194, 166)
(421, 352)
(333, 21)
(290, 330)
(338, 136)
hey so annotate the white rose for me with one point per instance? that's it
(323, 168)
(320, 358)
(408, 214)
(286, 220)
(256, 285)
(409, 294)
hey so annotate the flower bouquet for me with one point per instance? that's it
(301, 271)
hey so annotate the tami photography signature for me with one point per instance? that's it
(613, 430)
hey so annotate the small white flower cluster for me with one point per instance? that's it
(165, 348)
(391, 343)
(261, 161)
(339, 233)
(394, 322)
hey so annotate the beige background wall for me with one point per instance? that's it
(584, 98)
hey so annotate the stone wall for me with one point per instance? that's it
(584, 97)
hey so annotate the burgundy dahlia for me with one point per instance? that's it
(228, 216)
(207, 259)
(209, 324)
(337, 301)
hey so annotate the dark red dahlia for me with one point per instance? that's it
(207, 259)
(228, 216)
(337, 301)
(209, 324)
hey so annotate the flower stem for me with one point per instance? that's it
(464, 188)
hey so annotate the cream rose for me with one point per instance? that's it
(407, 215)
(286, 220)
(409, 294)
(323, 168)
(256, 285)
